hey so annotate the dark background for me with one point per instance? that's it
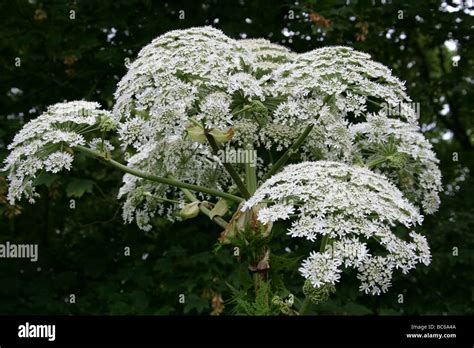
(81, 250)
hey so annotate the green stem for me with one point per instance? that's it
(324, 242)
(245, 108)
(373, 102)
(159, 179)
(163, 199)
(377, 239)
(304, 307)
(251, 176)
(234, 175)
(217, 219)
(256, 282)
(375, 162)
(287, 154)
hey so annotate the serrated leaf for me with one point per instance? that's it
(78, 187)
(46, 179)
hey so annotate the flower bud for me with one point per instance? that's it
(220, 136)
(196, 133)
(220, 208)
(190, 210)
(318, 295)
(106, 123)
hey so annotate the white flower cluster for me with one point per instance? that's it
(261, 95)
(422, 180)
(268, 56)
(182, 78)
(182, 158)
(215, 111)
(267, 96)
(345, 95)
(334, 71)
(253, 94)
(173, 75)
(42, 144)
(352, 207)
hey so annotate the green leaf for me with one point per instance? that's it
(388, 311)
(78, 187)
(190, 210)
(197, 303)
(219, 209)
(139, 300)
(356, 309)
(120, 308)
(46, 179)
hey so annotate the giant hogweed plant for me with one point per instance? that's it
(333, 165)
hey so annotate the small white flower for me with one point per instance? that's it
(215, 111)
(424, 252)
(352, 251)
(375, 275)
(321, 268)
(274, 213)
(101, 145)
(58, 161)
(246, 84)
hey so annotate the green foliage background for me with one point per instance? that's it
(81, 250)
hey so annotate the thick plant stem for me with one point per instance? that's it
(256, 282)
(251, 182)
(234, 175)
(287, 154)
(304, 306)
(217, 219)
(324, 242)
(155, 178)
(251, 176)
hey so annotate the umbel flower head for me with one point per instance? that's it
(42, 144)
(353, 208)
(178, 75)
(183, 83)
(262, 95)
(268, 56)
(358, 110)
(409, 159)
(254, 94)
